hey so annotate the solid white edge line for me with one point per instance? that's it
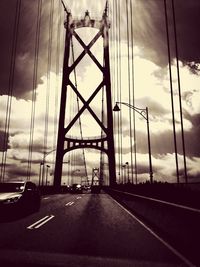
(161, 201)
(40, 222)
(178, 254)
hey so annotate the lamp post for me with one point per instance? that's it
(47, 166)
(145, 114)
(123, 174)
(127, 164)
(67, 176)
(41, 164)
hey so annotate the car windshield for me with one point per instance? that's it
(11, 187)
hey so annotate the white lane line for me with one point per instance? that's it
(39, 223)
(69, 203)
(161, 201)
(78, 197)
(178, 254)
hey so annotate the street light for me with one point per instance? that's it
(47, 166)
(41, 164)
(127, 164)
(123, 174)
(42, 171)
(145, 114)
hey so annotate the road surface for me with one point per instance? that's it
(82, 230)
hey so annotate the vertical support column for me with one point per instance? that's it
(149, 147)
(111, 150)
(61, 127)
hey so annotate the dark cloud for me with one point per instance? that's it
(194, 119)
(150, 30)
(191, 142)
(3, 141)
(149, 34)
(25, 45)
(155, 108)
(163, 143)
(16, 171)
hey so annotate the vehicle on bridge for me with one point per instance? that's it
(18, 197)
(76, 188)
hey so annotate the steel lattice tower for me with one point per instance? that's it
(105, 143)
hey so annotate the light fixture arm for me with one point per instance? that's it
(141, 111)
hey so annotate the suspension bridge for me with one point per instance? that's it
(76, 75)
(93, 98)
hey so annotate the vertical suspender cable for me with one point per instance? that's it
(73, 151)
(113, 72)
(120, 92)
(35, 69)
(74, 111)
(133, 84)
(101, 153)
(46, 126)
(48, 75)
(117, 83)
(70, 118)
(129, 88)
(179, 90)
(114, 54)
(57, 76)
(171, 89)
(10, 87)
(78, 106)
(112, 49)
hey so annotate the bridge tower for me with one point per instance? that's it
(104, 143)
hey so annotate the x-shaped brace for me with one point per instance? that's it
(86, 104)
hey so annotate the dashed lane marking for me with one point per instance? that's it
(40, 222)
(69, 203)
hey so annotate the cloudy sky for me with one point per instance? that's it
(151, 84)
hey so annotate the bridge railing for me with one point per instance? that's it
(175, 223)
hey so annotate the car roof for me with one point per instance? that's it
(17, 182)
(13, 182)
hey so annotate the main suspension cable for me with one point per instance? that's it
(133, 85)
(179, 91)
(10, 89)
(57, 77)
(48, 75)
(35, 78)
(171, 89)
(129, 88)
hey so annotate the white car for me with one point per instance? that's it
(17, 197)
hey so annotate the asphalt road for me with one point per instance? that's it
(82, 230)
